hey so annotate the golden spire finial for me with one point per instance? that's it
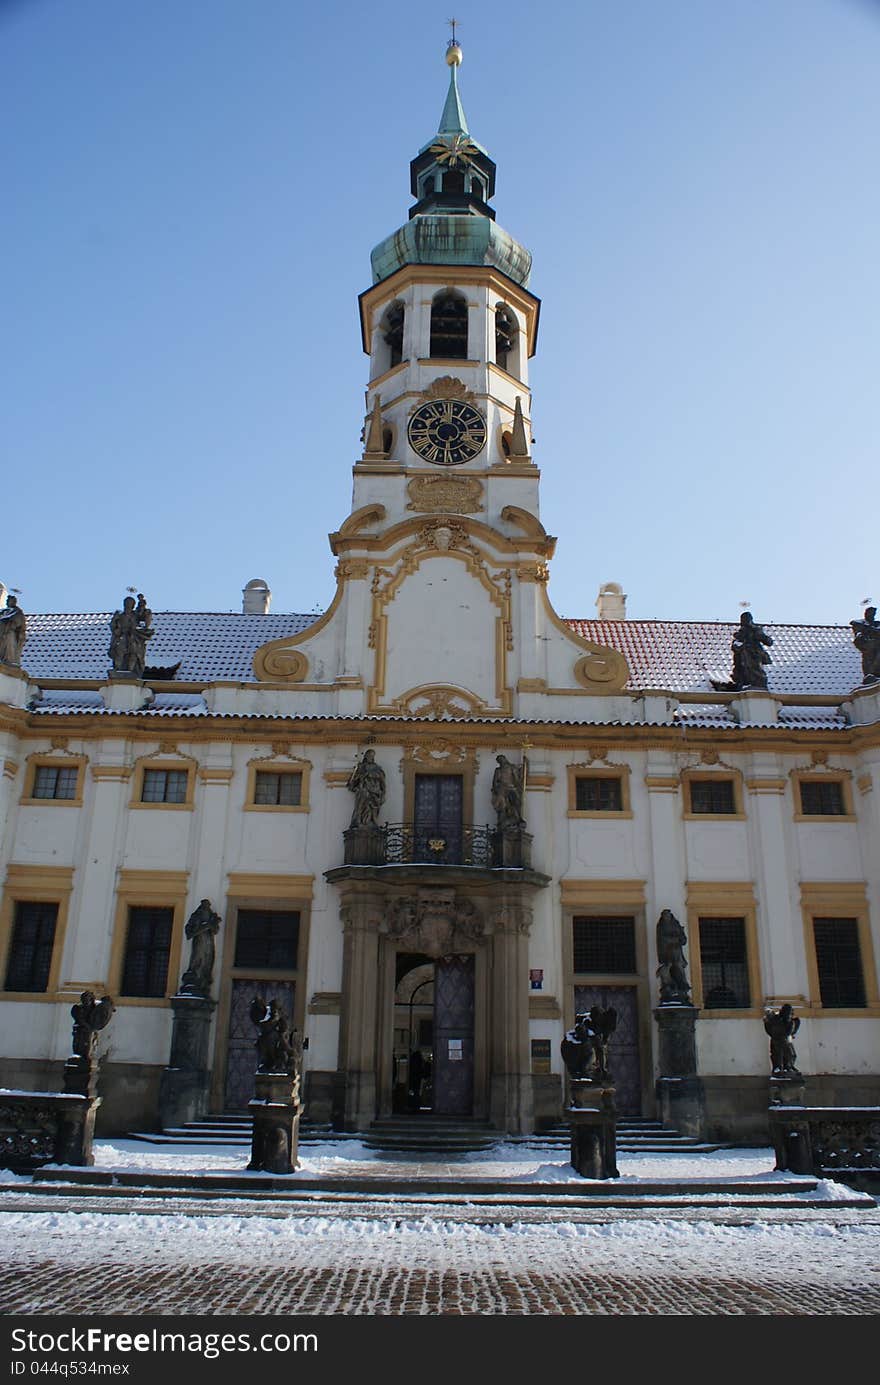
(453, 47)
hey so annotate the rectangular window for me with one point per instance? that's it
(165, 786)
(724, 964)
(282, 790)
(30, 951)
(267, 938)
(147, 950)
(839, 963)
(712, 796)
(54, 781)
(822, 798)
(606, 945)
(599, 793)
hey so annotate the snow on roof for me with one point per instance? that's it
(675, 655)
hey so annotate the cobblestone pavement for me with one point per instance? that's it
(376, 1264)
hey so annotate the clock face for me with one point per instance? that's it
(447, 432)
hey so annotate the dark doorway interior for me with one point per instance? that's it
(433, 1052)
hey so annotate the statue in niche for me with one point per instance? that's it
(507, 794)
(201, 928)
(89, 1017)
(782, 1025)
(367, 783)
(279, 1049)
(129, 631)
(585, 1047)
(866, 638)
(672, 971)
(13, 633)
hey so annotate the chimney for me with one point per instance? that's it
(256, 598)
(611, 601)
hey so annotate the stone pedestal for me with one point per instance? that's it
(80, 1077)
(185, 1084)
(680, 1096)
(593, 1121)
(789, 1126)
(76, 1129)
(364, 846)
(275, 1111)
(511, 849)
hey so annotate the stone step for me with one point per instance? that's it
(658, 1193)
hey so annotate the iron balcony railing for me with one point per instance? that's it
(408, 844)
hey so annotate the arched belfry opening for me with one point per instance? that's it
(449, 326)
(506, 334)
(392, 332)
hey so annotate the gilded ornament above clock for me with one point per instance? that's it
(447, 432)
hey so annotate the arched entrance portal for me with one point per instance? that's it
(433, 1044)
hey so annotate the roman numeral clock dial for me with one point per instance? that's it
(447, 432)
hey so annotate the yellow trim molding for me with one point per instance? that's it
(271, 764)
(843, 777)
(149, 889)
(601, 771)
(845, 900)
(170, 763)
(53, 760)
(35, 885)
(724, 899)
(703, 774)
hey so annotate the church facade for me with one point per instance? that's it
(439, 819)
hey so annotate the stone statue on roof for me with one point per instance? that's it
(13, 633)
(129, 631)
(749, 653)
(866, 638)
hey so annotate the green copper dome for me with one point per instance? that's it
(452, 177)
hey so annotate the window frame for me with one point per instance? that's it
(724, 900)
(703, 773)
(49, 760)
(35, 885)
(168, 764)
(848, 900)
(277, 765)
(841, 777)
(148, 889)
(130, 909)
(620, 772)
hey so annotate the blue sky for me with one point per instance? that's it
(191, 192)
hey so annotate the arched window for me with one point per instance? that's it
(505, 337)
(477, 189)
(449, 326)
(453, 180)
(392, 333)
(428, 185)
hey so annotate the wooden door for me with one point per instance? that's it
(453, 1073)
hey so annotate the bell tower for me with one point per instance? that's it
(449, 325)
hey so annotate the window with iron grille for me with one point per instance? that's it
(267, 938)
(606, 945)
(599, 793)
(712, 795)
(724, 964)
(839, 963)
(822, 798)
(147, 951)
(165, 786)
(30, 950)
(55, 781)
(281, 790)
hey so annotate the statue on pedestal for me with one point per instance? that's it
(750, 657)
(13, 633)
(585, 1048)
(672, 971)
(866, 638)
(278, 1049)
(201, 927)
(367, 783)
(507, 795)
(130, 629)
(89, 1017)
(782, 1025)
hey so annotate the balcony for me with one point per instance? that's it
(406, 844)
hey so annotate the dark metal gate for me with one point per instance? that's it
(623, 1058)
(241, 1052)
(454, 1036)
